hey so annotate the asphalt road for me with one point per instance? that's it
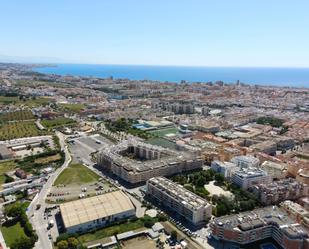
(36, 217)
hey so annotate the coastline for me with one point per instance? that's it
(274, 77)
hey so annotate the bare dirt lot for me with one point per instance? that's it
(141, 242)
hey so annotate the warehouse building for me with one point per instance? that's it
(86, 214)
(177, 198)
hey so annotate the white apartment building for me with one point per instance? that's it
(246, 161)
(177, 198)
(249, 177)
(225, 168)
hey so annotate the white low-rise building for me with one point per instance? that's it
(246, 161)
(225, 168)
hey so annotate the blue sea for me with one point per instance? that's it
(293, 77)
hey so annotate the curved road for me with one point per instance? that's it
(36, 217)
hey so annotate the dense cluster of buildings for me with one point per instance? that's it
(277, 191)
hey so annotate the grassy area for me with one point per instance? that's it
(48, 159)
(73, 107)
(24, 102)
(19, 129)
(163, 132)
(16, 116)
(12, 233)
(109, 231)
(76, 174)
(162, 142)
(57, 122)
(8, 100)
(5, 167)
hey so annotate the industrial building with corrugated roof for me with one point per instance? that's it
(90, 213)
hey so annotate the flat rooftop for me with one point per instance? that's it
(93, 208)
(178, 192)
(263, 217)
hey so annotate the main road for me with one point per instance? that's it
(36, 217)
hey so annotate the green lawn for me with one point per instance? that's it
(5, 167)
(162, 142)
(109, 231)
(73, 107)
(12, 233)
(27, 102)
(163, 132)
(76, 174)
(57, 122)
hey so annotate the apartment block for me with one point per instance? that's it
(281, 190)
(177, 198)
(260, 224)
(249, 177)
(135, 161)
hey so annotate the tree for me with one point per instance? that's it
(148, 223)
(221, 210)
(8, 179)
(173, 235)
(162, 217)
(63, 244)
(219, 178)
(73, 242)
(22, 243)
(14, 210)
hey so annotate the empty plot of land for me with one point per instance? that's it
(140, 242)
(216, 190)
(48, 159)
(76, 174)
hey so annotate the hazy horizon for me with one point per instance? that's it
(198, 33)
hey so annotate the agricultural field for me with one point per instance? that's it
(16, 116)
(19, 129)
(73, 107)
(58, 122)
(8, 100)
(76, 174)
(30, 102)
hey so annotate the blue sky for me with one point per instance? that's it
(158, 32)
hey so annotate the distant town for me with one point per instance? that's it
(90, 162)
